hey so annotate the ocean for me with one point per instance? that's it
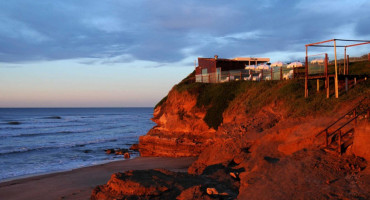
(44, 140)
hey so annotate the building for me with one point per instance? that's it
(210, 70)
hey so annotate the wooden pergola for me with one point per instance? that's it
(346, 59)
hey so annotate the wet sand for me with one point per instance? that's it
(79, 183)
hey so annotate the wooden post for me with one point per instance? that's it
(306, 77)
(318, 85)
(344, 61)
(326, 76)
(328, 88)
(281, 73)
(347, 63)
(336, 71)
(355, 81)
(346, 84)
(326, 65)
(209, 78)
(326, 138)
(271, 73)
(340, 142)
(262, 74)
(240, 75)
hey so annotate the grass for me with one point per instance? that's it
(215, 98)
(164, 99)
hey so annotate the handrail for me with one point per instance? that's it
(358, 104)
(363, 112)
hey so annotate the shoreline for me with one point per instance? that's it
(63, 170)
(79, 183)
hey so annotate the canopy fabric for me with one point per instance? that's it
(295, 64)
(250, 67)
(263, 66)
(277, 64)
(318, 61)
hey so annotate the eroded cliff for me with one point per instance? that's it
(258, 139)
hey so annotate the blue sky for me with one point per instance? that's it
(130, 53)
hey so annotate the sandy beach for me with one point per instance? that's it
(78, 183)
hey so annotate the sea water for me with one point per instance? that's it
(45, 140)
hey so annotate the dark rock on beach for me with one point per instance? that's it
(121, 151)
(134, 147)
(116, 151)
(109, 151)
(126, 155)
(163, 184)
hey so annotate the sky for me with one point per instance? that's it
(125, 53)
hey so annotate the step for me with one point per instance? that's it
(347, 143)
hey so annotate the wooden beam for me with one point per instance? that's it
(352, 45)
(318, 85)
(336, 71)
(320, 42)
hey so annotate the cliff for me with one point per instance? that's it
(258, 139)
(195, 115)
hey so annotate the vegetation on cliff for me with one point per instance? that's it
(215, 98)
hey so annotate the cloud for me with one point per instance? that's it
(163, 31)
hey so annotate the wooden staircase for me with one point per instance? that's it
(339, 135)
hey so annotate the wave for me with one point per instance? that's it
(27, 150)
(13, 123)
(52, 117)
(54, 133)
(37, 127)
(64, 132)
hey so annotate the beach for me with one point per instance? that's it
(79, 183)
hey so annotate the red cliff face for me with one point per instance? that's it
(180, 129)
(259, 150)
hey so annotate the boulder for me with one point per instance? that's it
(134, 147)
(109, 151)
(121, 151)
(126, 155)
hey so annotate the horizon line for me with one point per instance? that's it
(83, 107)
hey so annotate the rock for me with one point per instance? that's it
(121, 151)
(126, 155)
(212, 191)
(238, 159)
(134, 147)
(234, 175)
(194, 192)
(109, 151)
(180, 130)
(146, 184)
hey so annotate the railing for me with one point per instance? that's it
(274, 73)
(359, 110)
